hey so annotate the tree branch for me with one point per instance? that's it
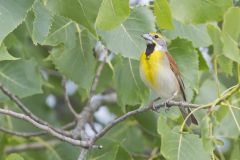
(21, 134)
(33, 134)
(25, 110)
(96, 79)
(84, 144)
(224, 97)
(90, 108)
(67, 101)
(28, 146)
(93, 105)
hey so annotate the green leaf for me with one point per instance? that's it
(190, 147)
(228, 127)
(62, 31)
(20, 45)
(77, 63)
(195, 33)
(126, 39)
(20, 77)
(111, 150)
(41, 23)
(112, 13)
(67, 151)
(206, 136)
(80, 11)
(180, 146)
(187, 59)
(235, 154)
(225, 64)
(231, 34)
(14, 156)
(202, 62)
(12, 13)
(207, 92)
(129, 86)
(163, 14)
(148, 122)
(215, 34)
(162, 126)
(4, 55)
(199, 11)
(129, 135)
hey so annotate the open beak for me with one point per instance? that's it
(147, 37)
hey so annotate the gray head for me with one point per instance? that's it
(156, 39)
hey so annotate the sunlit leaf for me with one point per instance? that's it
(112, 13)
(231, 34)
(198, 11)
(163, 14)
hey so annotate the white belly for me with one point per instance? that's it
(166, 84)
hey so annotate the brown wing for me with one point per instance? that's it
(175, 70)
(177, 73)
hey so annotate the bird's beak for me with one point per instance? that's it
(147, 37)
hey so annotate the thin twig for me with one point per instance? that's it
(46, 128)
(89, 109)
(118, 120)
(96, 79)
(33, 134)
(21, 134)
(29, 146)
(93, 127)
(25, 110)
(17, 101)
(87, 112)
(66, 98)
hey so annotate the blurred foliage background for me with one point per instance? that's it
(42, 41)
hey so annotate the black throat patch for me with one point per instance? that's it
(150, 49)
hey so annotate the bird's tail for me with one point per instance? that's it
(191, 119)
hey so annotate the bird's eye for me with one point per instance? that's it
(156, 36)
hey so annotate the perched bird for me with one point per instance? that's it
(160, 72)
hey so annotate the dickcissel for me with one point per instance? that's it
(160, 72)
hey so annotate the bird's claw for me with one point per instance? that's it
(154, 107)
(166, 106)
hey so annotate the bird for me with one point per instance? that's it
(160, 72)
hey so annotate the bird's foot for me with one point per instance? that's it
(154, 106)
(168, 100)
(166, 106)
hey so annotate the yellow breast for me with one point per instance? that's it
(150, 67)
